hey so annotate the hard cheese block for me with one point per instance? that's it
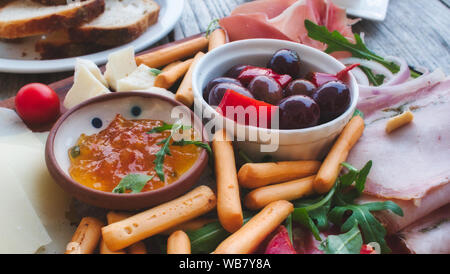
(21, 231)
(47, 198)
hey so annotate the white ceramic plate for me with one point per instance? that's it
(368, 9)
(21, 57)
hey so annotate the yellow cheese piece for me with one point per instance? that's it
(21, 231)
(93, 68)
(120, 64)
(48, 200)
(85, 86)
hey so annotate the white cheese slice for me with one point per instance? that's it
(160, 91)
(92, 67)
(120, 64)
(140, 79)
(14, 131)
(48, 200)
(85, 86)
(21, 231)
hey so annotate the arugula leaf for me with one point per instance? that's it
(337, 42)
(358, 113)
(372, 229)
(155, 72)
(206, 239)
(160, 156)
(183, 142)
(213, 25)
(301, 215)
(133, 182)
(376, 80)
(166, 126)
(347, 243)
(289, 228)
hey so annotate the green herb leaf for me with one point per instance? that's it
(183, 142)
(337, 42)
(206, 239)
(347, 243)
(245, 157)
(160, 156)
(301, 215)
(133, 182)
(155, 72)
(371, 228)
(376, 80)
(213, 25)
(164, 127)
(358, 113)
(75, 151)
(289, 228)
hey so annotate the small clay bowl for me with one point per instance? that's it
(94, 115)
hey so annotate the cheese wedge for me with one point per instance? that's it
(14, 131)
(21, 231)
(160, 91)
(48, 200)
(92, 67)
(120, 64)
(140, 79)
(85, 86)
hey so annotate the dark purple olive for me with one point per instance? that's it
(285, 61)
(218, 91)
(216, 81)
(265, 88)
(333, 99)
(299, 87)
(235, 71)
(298, 111)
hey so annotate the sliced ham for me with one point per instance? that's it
(271, 8)
(285, 19)
(429, 235)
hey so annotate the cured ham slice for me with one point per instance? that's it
(430, 235)
(271, 8)
(411, 166)
(285, 19)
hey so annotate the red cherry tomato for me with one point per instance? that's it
(37, 104)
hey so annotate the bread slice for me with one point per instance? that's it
(52, 2)
(57, 45)
(22, 18)
(122, 22)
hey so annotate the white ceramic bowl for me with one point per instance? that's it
(301, 144)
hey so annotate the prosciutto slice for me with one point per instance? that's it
(284, 19)
(411, 166)
(430, 235)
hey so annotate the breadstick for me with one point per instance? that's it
(184, 93)
(86, 237)
(399, 121)
(249, 237)
(114, 216)
(289, 191)
(329, 171)
(253, 175)
(229, 207)
(137, 248)
(190, 225)
(105, 250)
(217, 38)
(169, 77)
(164, 56)
(178, 243)
(155, 220)
(171, 65)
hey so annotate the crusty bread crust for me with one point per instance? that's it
(52, 2)
(114, 36)
(48, 23)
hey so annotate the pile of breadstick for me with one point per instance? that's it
(175, 66)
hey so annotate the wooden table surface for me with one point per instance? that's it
(417, 30)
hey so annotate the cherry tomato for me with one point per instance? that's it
(37, 104)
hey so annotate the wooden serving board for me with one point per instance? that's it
(62, 87)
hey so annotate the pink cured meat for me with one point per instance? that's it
(285, 20)
(414, 159)
(280, 243)
(429, 235)
(271, 8)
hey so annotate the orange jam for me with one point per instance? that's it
(124, 147)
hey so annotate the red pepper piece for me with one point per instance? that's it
(238, 107)
(280, 243)
(320, 78)
(367, 249)
(250, 72)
